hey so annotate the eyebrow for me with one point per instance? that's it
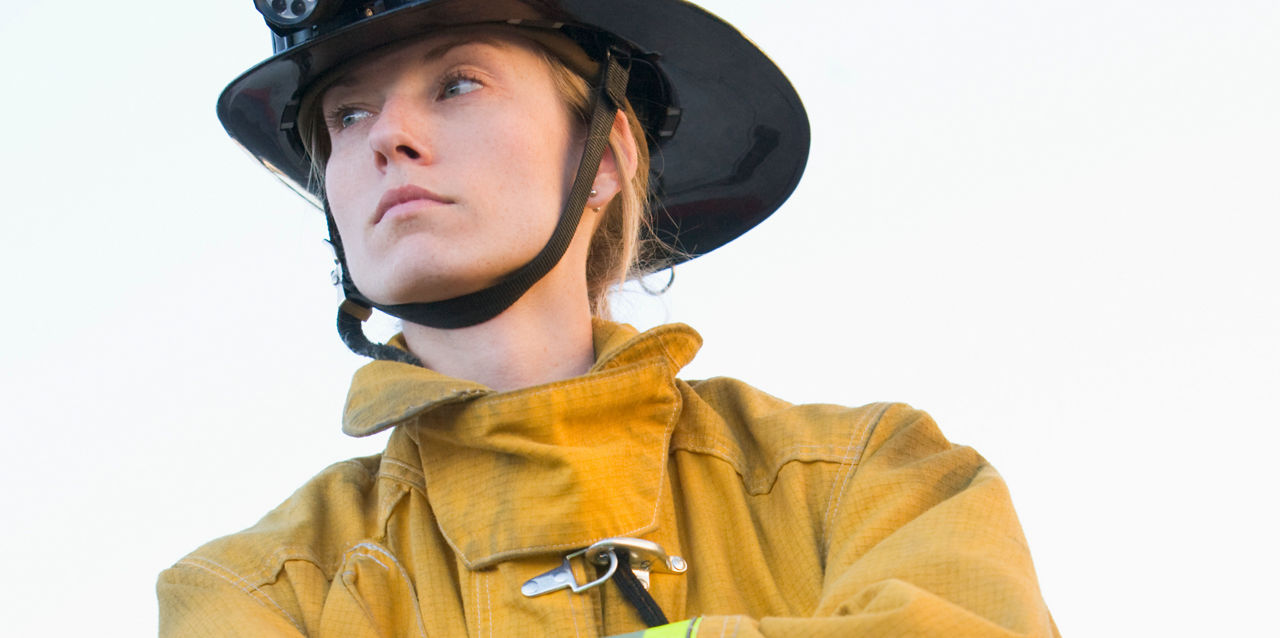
(434, 53)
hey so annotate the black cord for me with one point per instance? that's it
(635, 593)
(351, 329)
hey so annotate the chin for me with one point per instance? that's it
(424, 288)
(426, 271)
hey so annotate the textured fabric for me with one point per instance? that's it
(795, 520)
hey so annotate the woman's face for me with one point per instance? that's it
(451, 158)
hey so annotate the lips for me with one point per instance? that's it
(403, 194)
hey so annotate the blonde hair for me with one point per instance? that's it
(619, 244)
(614, 255)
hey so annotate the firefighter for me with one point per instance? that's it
(489, 172)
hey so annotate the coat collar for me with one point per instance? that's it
(548, 468)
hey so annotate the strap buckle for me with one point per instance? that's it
(644, 556)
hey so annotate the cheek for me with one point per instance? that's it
(537, 162)
(337, 176)
(342, 176)
(341, 187)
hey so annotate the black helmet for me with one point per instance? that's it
(728, 135)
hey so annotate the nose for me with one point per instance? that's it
(399, 134)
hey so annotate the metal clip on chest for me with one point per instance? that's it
(645, 556)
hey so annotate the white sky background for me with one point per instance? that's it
(1052, 224)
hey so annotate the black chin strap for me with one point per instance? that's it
(483, 305)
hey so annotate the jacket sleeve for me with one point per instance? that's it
(303, 570)
(201, 599)
(922, 541)
(369, 598)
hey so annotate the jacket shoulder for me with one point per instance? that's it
(274, 578)
(316, 524)
(759, 434)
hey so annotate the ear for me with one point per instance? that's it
(614, 170)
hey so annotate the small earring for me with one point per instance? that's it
(594, 193)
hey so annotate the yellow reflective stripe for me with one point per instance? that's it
(682, 629)
(693, 627)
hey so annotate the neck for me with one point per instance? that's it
(537, 340)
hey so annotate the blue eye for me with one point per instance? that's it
(453, 87)
(351, 117)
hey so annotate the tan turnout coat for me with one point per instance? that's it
(795, 520)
